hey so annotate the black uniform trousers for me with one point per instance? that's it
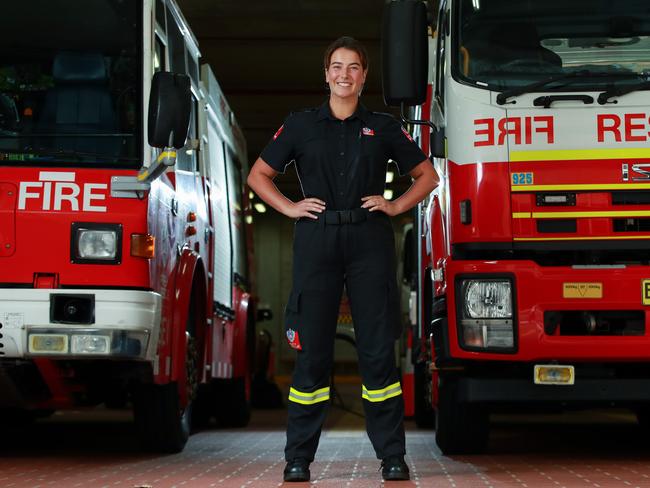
(360, 255)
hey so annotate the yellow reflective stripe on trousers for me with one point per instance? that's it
(380, 395)
(309, 398)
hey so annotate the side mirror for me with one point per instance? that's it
(170, 106)
(404, 46)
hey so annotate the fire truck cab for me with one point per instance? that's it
(124, 272)
(534, 271)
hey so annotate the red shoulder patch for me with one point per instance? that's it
(278, 132)
(408, 136)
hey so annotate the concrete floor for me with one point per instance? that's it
(83, 449)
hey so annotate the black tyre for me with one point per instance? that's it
(232, 397)
(163, 425)
(202, 407)
(232, 403)
(643, 417)
(461, 428)
(424, 415)
(17, 418)
(116, 399)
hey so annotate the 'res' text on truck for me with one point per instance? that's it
(123, 259)
(532, 258)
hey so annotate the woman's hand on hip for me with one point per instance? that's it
(306, 208)
(378, 203)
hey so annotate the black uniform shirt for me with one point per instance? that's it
(340, 161)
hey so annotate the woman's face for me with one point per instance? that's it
(345, 74)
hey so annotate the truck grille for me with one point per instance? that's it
(631, 225)
(557, 225)
(594, 322)
(630, 197)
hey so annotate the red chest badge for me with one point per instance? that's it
(278, 132)
(293, 339)
(367, 132)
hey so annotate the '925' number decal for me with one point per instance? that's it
(522, 178)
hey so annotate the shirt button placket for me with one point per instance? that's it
(342, 154)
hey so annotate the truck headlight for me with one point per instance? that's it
(487, 299)
(97, 244)
(94, 243)
(485, 314)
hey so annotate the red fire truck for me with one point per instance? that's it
(533, 282)
(123, 259)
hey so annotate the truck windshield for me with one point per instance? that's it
(70, 78)
(504, 44)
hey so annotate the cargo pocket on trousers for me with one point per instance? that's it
(394, 313)
(292, 320)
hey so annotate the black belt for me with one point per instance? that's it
(340, 217)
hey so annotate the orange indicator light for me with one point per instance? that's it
(143, 246)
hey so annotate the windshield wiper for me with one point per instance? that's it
(620, 90)
(502, 97)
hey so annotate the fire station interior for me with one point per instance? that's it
(267, 56)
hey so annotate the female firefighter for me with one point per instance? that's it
(343, 236)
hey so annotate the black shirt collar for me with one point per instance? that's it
(361, 112)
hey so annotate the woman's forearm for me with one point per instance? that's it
(266, 189)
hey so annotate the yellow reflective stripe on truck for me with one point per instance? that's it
(574, 215)
(579, 154)
(577, 187)
(591, 238)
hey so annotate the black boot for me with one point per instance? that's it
(394, 468)
(297, 470)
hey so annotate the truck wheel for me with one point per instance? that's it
(424, 414)
(18, 418)
(461, 428)
(643, 417)
(233, 402)
(202, 407)
(163, 425)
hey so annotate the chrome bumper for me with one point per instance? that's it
(123, 324)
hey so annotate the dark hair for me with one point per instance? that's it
(347, 43)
